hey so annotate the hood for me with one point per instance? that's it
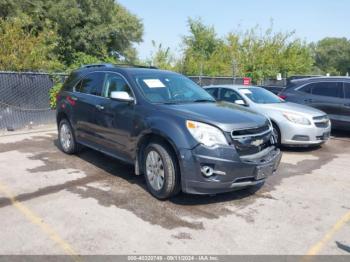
(292, 107)
(224, 115)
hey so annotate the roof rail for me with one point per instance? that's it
(117, 65)
(97, 65)
(136, 66)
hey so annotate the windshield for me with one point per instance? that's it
(260, 95)
(171, 88)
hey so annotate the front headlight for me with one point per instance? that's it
(297, 119)
(206, 134)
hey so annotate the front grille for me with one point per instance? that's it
(252, 141)
(301, 138)
(322, 125)
(250, 131)
(321, 121)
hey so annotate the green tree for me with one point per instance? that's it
(97, 28)
(161, 57)
(198, 48)
(264, 55)
(23, 50)
(332, 55)
(256, 53)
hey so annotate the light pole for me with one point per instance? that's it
(234, 66)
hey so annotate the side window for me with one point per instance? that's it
(115, 82)
(214, 92)
(330, 89)
(307, 89)
(91, 84)
(347, 90)
(230, 95)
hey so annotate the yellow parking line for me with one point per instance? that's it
(35, 219)
(315, 249)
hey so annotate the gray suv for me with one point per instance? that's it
(329, 94)
(168, 127)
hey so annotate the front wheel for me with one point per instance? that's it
(161, 172)
(277, 134)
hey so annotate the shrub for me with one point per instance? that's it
(54, 91)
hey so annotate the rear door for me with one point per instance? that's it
(87, 96)
(327, 97)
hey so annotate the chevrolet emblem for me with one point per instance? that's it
(257, 142)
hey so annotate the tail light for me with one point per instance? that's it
(70, 100)
(282, 96)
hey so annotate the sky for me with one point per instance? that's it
(165, 21)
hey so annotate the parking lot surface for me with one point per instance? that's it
(51, 203)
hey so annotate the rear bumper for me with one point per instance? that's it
(233, 172)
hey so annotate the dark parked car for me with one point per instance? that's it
(168, 127)
(329, 94)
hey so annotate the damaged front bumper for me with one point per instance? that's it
(229, 170)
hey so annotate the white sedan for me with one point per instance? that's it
(294, 124)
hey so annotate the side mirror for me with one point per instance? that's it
(122, 96)
(240, 102)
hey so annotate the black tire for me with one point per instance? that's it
(73, 147)
(171, 181)
(277, 133)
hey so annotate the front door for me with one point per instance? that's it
(117, 119)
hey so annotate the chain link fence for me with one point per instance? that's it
(273, 85)
(24, 100)
(220, 80)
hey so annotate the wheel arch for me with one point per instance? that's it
(274, 122)
(60, 116)
(154, 137)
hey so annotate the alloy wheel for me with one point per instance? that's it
(155, 170)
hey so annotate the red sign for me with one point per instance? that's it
(246, 81)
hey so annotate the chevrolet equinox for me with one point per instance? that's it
(168, 127)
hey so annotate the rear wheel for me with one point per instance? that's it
(66, 138)
(161, 172)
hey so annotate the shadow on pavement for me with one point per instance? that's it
(126, 172)
(343, 247)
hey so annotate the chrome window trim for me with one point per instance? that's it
(315, 82)
(99, 71)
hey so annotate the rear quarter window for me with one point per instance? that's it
(347, 90)
(306, 89)
(71, 80)
(91, 84)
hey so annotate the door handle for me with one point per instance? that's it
(99, 107)
(347, 105)
(308, 100)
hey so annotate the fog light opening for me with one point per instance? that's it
(207, 171)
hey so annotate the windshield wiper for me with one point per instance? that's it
(203, 100)
(187, 101)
